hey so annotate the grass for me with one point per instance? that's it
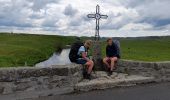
(21, 49)
(147, 49)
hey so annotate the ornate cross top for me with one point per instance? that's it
(97, 16)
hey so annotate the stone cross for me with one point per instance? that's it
(97, 16)
(96, 52)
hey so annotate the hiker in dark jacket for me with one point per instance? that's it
(111, 56)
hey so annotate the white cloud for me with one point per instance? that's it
(137, 27)
(126, 17)
(70, 11)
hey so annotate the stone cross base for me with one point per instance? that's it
(97, 55)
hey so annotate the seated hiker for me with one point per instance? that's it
(79, 55)
(112, 55)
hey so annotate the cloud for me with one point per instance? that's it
(70, 11)
(152, 11)
(137, 26)
(15, 13)
(70, 18)
(40, 4)
(118, 20)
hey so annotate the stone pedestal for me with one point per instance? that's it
(97, 56)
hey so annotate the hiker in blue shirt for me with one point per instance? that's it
(84, 60)
(111, 56)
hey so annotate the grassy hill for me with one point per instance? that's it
(18, 49)
(21, 49)
(150, 49)
(146, 49)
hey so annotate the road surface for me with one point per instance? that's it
(143, 92)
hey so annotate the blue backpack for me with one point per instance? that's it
(117, 44)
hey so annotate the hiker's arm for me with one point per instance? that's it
(85, 56)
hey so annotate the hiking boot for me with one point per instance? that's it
(110, 73)
(89, 76)
(84, 74)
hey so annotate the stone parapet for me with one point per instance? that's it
(27, 79)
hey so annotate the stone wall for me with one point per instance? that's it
(31, 79)
(160, 70)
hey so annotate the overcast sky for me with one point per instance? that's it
(127, 18)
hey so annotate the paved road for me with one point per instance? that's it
(144, 92)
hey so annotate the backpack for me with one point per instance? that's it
(74, 50)
(117, 45)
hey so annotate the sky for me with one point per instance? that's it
(126, 18)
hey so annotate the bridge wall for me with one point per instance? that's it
(160, 70)
(31, 81)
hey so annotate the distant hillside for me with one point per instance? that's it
(142, 38)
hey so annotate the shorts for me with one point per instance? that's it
(81, 61)
(109, 59)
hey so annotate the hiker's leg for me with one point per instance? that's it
(90, 65)
(84, 63)
(113, 60)
(105, 61)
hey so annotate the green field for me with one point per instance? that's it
(146, 49)
(21, 49)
